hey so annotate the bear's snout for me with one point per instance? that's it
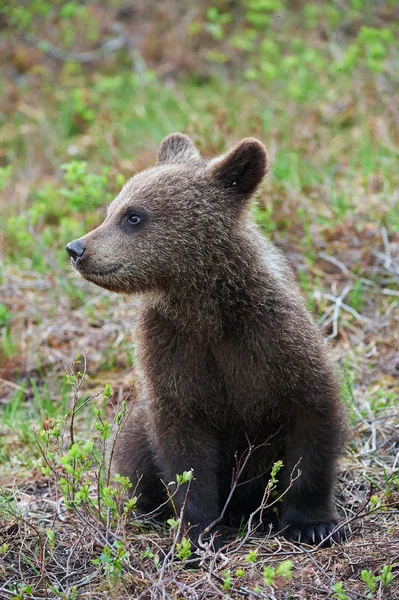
(75, 249)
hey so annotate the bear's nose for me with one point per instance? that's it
(75, 249)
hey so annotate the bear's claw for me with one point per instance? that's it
(314, 533)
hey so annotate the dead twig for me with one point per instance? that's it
(47, 48)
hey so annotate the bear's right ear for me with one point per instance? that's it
(176, 148)
(242, 169)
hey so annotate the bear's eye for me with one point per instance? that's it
(133, 219)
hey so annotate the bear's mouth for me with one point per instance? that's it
(88, 273)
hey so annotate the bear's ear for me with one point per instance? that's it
(176, 148)
(243, 168)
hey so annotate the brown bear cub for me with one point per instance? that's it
(228, 355)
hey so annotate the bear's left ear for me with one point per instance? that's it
(243, 168)
(176, 148)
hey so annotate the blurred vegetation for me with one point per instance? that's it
(246, 67)
(87, 92)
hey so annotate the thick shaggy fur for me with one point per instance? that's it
(228, 355)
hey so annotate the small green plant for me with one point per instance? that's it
(22, 592)
(269, 576)
(370, 580)
(173, 523)
(251, 557)
(185, 477)
(82, 456)
(226, 585)
(183, 549)
(3, 549)
(147, 553)
(284, 570)
(386, 576)
(51, 538)
(112, 561)
(277, 466)
(340, 593)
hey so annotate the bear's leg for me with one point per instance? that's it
(249, 502)
(308, 512)
(191, 448)
(134, 457)
(249, 496)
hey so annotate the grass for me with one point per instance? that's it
(316, 83)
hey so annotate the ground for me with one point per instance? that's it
(88, 92)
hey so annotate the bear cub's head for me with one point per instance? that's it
(172, 221)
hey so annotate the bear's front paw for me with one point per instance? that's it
(314, 533)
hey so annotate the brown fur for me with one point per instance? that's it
(226, 349)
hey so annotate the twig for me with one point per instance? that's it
(262, 506)
(335, 262)
(346, 522)
(42, 557)
(80, 57)
(117, 434)
(232, 490)
(15, 386)
(171, 553)
(336, 308)
(76, 389)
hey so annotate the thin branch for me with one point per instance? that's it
(79, 57)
